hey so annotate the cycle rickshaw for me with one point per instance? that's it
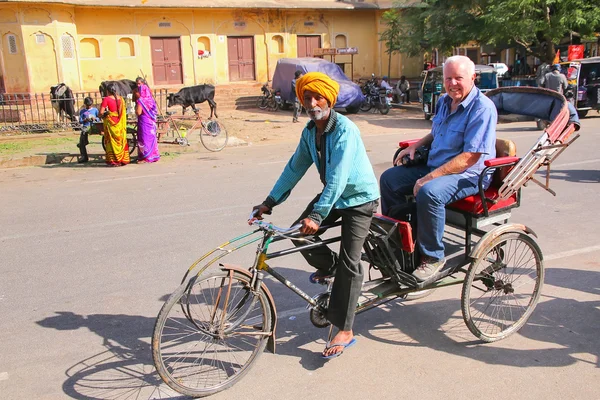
(215, 325)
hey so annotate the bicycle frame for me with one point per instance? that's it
(392, 285)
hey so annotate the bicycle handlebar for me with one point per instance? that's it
(252, 220)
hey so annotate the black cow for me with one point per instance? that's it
(190, 96)
(63, 101)
(124, 87)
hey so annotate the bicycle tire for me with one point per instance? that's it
(497, 284)
(213, 135)
(203, 352)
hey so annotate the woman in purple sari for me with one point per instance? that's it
(146, 111)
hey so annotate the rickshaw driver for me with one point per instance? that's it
(462, 137)
(333, 143)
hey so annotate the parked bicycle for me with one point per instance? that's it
(213, 133)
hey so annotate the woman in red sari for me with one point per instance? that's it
(115, 128)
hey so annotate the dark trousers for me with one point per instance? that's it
(348, 269)
(297, 109)
(83, 142)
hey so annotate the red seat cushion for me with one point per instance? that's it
(472, 204)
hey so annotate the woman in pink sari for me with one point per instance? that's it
(146, 111)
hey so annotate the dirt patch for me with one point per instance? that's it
(248, 126)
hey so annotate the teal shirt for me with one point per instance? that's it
(348, 176)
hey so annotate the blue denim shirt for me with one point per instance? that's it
(348, 176)
(469, 129)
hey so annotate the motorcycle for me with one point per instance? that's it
(268, 99)
(376, 97)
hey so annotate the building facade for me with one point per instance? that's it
(182, 43)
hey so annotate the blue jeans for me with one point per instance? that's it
(397, 182)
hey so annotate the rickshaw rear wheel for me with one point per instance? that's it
(502, 286)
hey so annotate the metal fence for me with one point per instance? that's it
(33, 113)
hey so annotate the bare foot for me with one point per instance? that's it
(342, 338)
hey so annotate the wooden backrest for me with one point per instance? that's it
(504, 148)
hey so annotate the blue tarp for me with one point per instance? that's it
(350, 93)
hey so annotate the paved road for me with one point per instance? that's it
(90, 254)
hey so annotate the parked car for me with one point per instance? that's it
(350, 96)
(500, 68)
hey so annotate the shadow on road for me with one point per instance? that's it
(124, 369)
(573, 175)
(568, 326)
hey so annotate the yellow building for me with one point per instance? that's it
(182, 42)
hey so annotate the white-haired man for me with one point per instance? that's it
(462, 137)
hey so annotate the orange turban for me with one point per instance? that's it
(320, 83)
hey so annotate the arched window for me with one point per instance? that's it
(277, 42)
(340, 41)
(126, 48)
(89, 48)
(67, 46)
(203, 47)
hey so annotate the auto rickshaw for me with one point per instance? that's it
(583, 76)
(433, 85)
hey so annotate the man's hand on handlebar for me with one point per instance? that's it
(259, 210)
(309, 227)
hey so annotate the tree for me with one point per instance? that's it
(391, 36)
(537, 25)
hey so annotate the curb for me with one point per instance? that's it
(69, 158)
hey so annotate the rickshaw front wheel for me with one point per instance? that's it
(502, 286)
(210, 332)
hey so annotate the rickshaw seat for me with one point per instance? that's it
(506, 152)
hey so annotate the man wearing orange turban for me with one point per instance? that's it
(333, 144)
(320, 83)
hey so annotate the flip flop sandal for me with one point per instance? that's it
(318, 277)
(339, 353)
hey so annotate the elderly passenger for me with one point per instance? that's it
(463, 136)
(333, 144)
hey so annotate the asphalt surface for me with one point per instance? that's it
(89, 255)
